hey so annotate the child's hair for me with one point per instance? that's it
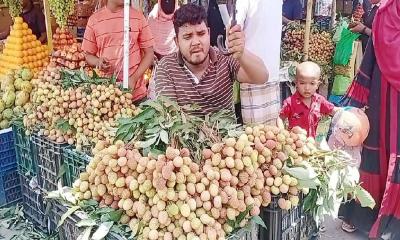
(308, 69)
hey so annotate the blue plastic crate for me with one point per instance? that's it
(8, 158)
(10, 187)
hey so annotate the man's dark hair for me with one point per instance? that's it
(189, 13)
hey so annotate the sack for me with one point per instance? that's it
(344, 48)
(340, 85)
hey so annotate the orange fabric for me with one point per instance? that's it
(104, 37)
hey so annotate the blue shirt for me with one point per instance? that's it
(292, 9)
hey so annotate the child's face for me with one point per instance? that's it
(306, 85)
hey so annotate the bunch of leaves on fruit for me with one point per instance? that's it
(15, 95)
(280, 149)
(332, 180)
(61, 10)
(163, 122)
(321, 46)
(22, 49)
(169, 196)
(70, 106)
(71, 57)
(63, 39)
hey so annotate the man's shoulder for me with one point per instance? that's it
(170, 60)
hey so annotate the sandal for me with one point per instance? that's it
(348, 228)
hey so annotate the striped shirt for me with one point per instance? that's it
(212, 93)
(104, 37)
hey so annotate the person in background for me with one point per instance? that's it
(262, 24)
(202, 75)
(103, 44)
(292, 10)
(377, 86)
(162, 27)
(365, 27)
(323, 13)
(305, 107)
(34, 17)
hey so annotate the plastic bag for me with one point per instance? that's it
(338, 33)
(340, 85)
(344, 48)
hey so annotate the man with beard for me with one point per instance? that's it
(198, 74)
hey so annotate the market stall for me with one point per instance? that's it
(83, 162)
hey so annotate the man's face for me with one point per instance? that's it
(194, 42)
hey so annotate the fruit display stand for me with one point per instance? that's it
(22, 49)
(10, 190)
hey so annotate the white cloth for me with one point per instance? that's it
(262, 24)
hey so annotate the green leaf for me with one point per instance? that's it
(309, 183)
(86, 234)
(144, 116)
(86, 223)
(113, 216)
(88, 203)
(148, 142)
(164, 136)
(67, 214)
(306, 173)
(366, 200)
(102, 231)
(258, 220)
(105, 210)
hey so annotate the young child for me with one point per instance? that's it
(305, 107)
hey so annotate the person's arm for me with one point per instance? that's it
(361, 28)
(327, 108)
(146, 43)
(283, 114)
(252, 69)
(42, 26)
(147, 61)
(5, 33)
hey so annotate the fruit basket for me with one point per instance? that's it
(10, 188)
(75, 162)
(50, 161)
(24, 151)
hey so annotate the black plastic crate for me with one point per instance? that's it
(26, 161)
(34, 204)
(75, 162)
(50, 161)
(281, 224)
(10, 187)
(8, 159)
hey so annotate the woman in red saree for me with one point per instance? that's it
(377, 86)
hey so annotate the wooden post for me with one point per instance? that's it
(333, 20)
(48, 25)
(307, 29)
(127, 7)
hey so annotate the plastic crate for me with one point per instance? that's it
(27, 164)
(75, 162)
(281, 224)
(308, 227)
(8, 159)
(50, 161)
(10, 187)
(34, 204)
